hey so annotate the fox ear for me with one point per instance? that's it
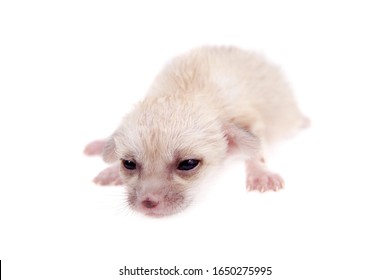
(241, 141)
(109, 151)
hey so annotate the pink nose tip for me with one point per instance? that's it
(149, 203)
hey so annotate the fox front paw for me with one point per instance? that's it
(109, 176)
(264, 181)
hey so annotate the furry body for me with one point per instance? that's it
(204, 106)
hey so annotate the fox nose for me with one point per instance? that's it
(148, 203)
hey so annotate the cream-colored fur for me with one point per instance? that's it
(206, 105)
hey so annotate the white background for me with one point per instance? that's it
(69, 70)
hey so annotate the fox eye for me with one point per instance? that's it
(129, 164)
(188, 164)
